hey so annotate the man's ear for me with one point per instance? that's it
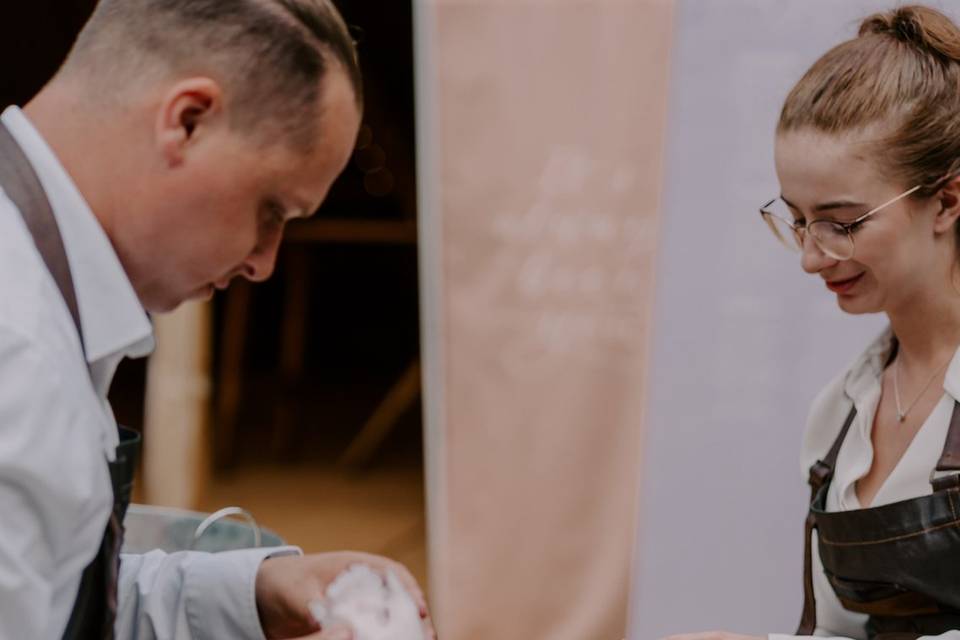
(186, 113)
(949, 200)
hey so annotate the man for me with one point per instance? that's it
(161, 162)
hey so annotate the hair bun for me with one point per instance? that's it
(922, 27)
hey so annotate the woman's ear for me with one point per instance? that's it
(949, 201)
(185, 114)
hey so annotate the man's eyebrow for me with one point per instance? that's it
(827, 206)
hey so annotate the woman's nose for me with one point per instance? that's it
(813, 259)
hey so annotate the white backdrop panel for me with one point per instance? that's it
(743, 339)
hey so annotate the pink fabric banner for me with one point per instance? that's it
(548, 123)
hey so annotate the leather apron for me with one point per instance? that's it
(898, 563)
(95, 609)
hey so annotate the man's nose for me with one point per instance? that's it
(813, 259)
(260, 264)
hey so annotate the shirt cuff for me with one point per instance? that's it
(220, 593)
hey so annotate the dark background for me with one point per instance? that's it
(361, 318)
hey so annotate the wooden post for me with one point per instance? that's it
(176, 460)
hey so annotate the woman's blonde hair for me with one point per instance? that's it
(899, 79)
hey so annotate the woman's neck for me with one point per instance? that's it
(928, 329)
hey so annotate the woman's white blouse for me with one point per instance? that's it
(909, 479)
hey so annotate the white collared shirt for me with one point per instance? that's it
(861, 383)
(57, 432)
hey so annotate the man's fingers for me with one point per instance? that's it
(411, 585)
(406, 578)
(413, 588)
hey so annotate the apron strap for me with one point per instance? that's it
(950, 458)
(95, 608)
(808, 619)
(822, 470)
(22, 186)
(820, 475)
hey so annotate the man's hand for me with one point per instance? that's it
(287, 584)
(713, 635)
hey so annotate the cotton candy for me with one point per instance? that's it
(376, 607)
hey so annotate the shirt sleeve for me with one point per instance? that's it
(191, 595)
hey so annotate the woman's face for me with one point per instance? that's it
(899, 252)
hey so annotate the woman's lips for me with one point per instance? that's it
(843, 286)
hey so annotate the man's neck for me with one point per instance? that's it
(78, 144)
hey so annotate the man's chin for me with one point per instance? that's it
(204, 293)
(170, 303)
(167, 306)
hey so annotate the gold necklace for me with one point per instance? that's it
(902, 413)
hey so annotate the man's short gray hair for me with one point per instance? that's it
(271, 55)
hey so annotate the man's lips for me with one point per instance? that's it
(843, 286)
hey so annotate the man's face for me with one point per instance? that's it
(220, 212)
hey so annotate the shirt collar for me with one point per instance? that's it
(112, 318)
(867, 369)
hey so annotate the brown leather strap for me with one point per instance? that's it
(950, 459)
(820, 475)
(808, 619)
(830, 462)
(23, 187)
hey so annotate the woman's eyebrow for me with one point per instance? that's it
(827, 206)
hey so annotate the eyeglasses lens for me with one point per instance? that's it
(778, 218)
(832, 239)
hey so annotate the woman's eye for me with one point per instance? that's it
(800, 223)
(856, 226)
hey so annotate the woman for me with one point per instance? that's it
(868, 158)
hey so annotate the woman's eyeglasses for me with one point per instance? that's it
(833, 238)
